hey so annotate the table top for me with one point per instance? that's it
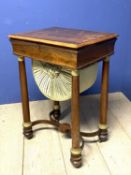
(71, 38)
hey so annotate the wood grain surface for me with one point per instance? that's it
(72, 38)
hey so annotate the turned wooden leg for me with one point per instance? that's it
(103, 133)
(75, 122)
(27, 125)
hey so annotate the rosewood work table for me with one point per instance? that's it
(73, 49)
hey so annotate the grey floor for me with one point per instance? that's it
(48, 153)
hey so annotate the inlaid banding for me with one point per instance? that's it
(76, 151)
(20, 59)
(27, 124)
(102, 126)
(75, 73)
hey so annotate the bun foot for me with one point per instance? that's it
(55, 115)
(76, 158)
(76, 161)
(103, 135)
(28, 133)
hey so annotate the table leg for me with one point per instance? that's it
(27, 125)
(103, 133)
(75, 122)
